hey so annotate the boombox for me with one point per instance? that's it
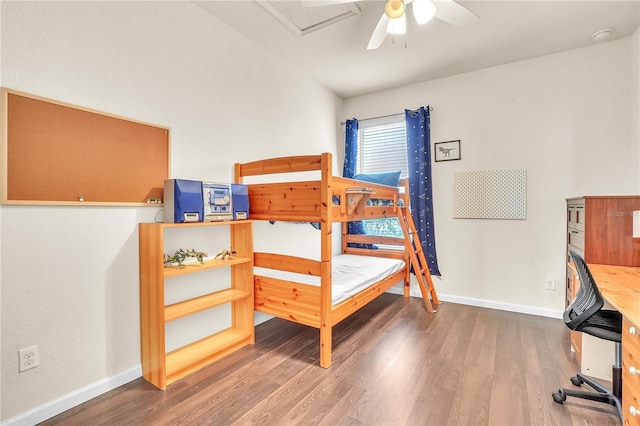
(196, 201)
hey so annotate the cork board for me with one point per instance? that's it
(57, 153)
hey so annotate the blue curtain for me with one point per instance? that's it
(350, 148)
(420, 188)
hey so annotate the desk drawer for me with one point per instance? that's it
(575, 238)
(575, 214)
(631, 339)
(629, 400)
(630, 373)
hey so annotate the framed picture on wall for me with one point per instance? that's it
(447, 151)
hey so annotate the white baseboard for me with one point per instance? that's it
(77, 397)
(492, 304)
(522, 309)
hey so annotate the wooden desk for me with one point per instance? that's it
(620, 286)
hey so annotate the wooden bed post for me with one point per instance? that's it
(326, 255)
(404, 197)
(237, 175)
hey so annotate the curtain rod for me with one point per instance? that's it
(381, 116)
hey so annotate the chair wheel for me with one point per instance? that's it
(559, 396)
(577, 381)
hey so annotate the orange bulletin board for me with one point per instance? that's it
(56, 153)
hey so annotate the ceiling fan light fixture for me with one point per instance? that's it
(423, 11)
(394, 9)
(397, 26)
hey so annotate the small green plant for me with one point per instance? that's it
(180, 255)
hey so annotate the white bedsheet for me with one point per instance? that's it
(350, 274)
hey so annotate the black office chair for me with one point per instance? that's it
(585, 314)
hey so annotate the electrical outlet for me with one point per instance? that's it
(28, 358)
(550, 283)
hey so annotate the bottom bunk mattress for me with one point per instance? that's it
(350, 274)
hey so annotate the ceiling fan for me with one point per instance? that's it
(394, 18)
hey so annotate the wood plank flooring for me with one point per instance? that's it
(393, 364)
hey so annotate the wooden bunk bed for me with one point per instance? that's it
(291, 293)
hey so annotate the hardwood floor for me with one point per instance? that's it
(393, 364)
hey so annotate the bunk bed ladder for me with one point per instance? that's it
(418, 260)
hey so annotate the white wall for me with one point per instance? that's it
(635, 89)
(70, 275)
(0, 234)
(564, 118)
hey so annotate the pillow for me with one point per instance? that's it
(386, 178)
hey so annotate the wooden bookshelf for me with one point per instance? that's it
(161, 367)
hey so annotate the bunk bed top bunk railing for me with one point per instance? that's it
(300, 201)
(345, 199)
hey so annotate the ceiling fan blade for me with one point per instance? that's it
(379, 33)
(316, 3)
(453, 13)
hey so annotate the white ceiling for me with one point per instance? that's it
(335, 55)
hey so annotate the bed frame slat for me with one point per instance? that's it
(283, 262)
(301, 163)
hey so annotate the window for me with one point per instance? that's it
(382, 147)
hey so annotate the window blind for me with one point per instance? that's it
(383, 148)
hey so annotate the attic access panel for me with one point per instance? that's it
(301, 20)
